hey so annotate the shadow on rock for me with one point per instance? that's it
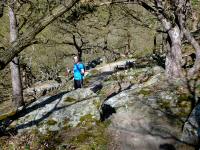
(39, 105)
(166, 147)
(28, 109)
(107, 111)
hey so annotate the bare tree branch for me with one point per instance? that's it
(26, 39)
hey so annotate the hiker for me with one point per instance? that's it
(79, 70)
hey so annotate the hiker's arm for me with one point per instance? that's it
(82, 71)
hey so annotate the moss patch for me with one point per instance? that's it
(97, 103)
(145, 92)
(185, 108)
(165, 104)
(69, 99)
(185, 103)
(183, 97)
(49, 140)
(94, 72)
(116, 77)
(4, 116)
(182, 113)
(86, 81)
(87, 120)
(94, 137)
(51, 122)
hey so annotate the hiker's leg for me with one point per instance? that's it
(75, 84)
(81, 83)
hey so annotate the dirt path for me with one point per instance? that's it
(111, 66)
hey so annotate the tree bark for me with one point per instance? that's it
(1, 8)
(173, 63)
(78, 48)
(195, 21)
(80, 54)
(194, 71)
(17, 92)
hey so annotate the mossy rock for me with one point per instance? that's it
(145, 92)
(83, 137)
(94, 72)
(116, 77)
(66, 120)
(112, 78)
(184, 104)
(51, 138)
(93, 137)
(70, 99)
(184, 97)
(185, 101)
(4, 116)
(97, 103)
(103, 93)
(66, 127)
(185, 108)
(66, 124)
(184, 111)
(51, 122)
(86, 81)
(165, 104)
(40, 124)
(198, 86)
(109, 88)
(87, 120)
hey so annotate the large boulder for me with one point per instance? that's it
(42, 88)
(111, 88)
(56, 112)
(149, 115)
(146, 111)
(132, 130)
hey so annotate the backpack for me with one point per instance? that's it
(84, 68)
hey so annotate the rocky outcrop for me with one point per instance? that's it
(149, 115)
(145, 110)
(54, 113)
(191, 129)
(112, 66)
(44, 88)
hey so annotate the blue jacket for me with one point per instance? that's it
(77, 71)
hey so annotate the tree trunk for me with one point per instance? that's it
(80, 54)
(173, 61)
(78, 48)
(195, 21)
(17, 94)
(1, 7)
(194, 71)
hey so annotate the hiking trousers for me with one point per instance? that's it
(78, 84)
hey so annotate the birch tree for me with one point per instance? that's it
(17, 94)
